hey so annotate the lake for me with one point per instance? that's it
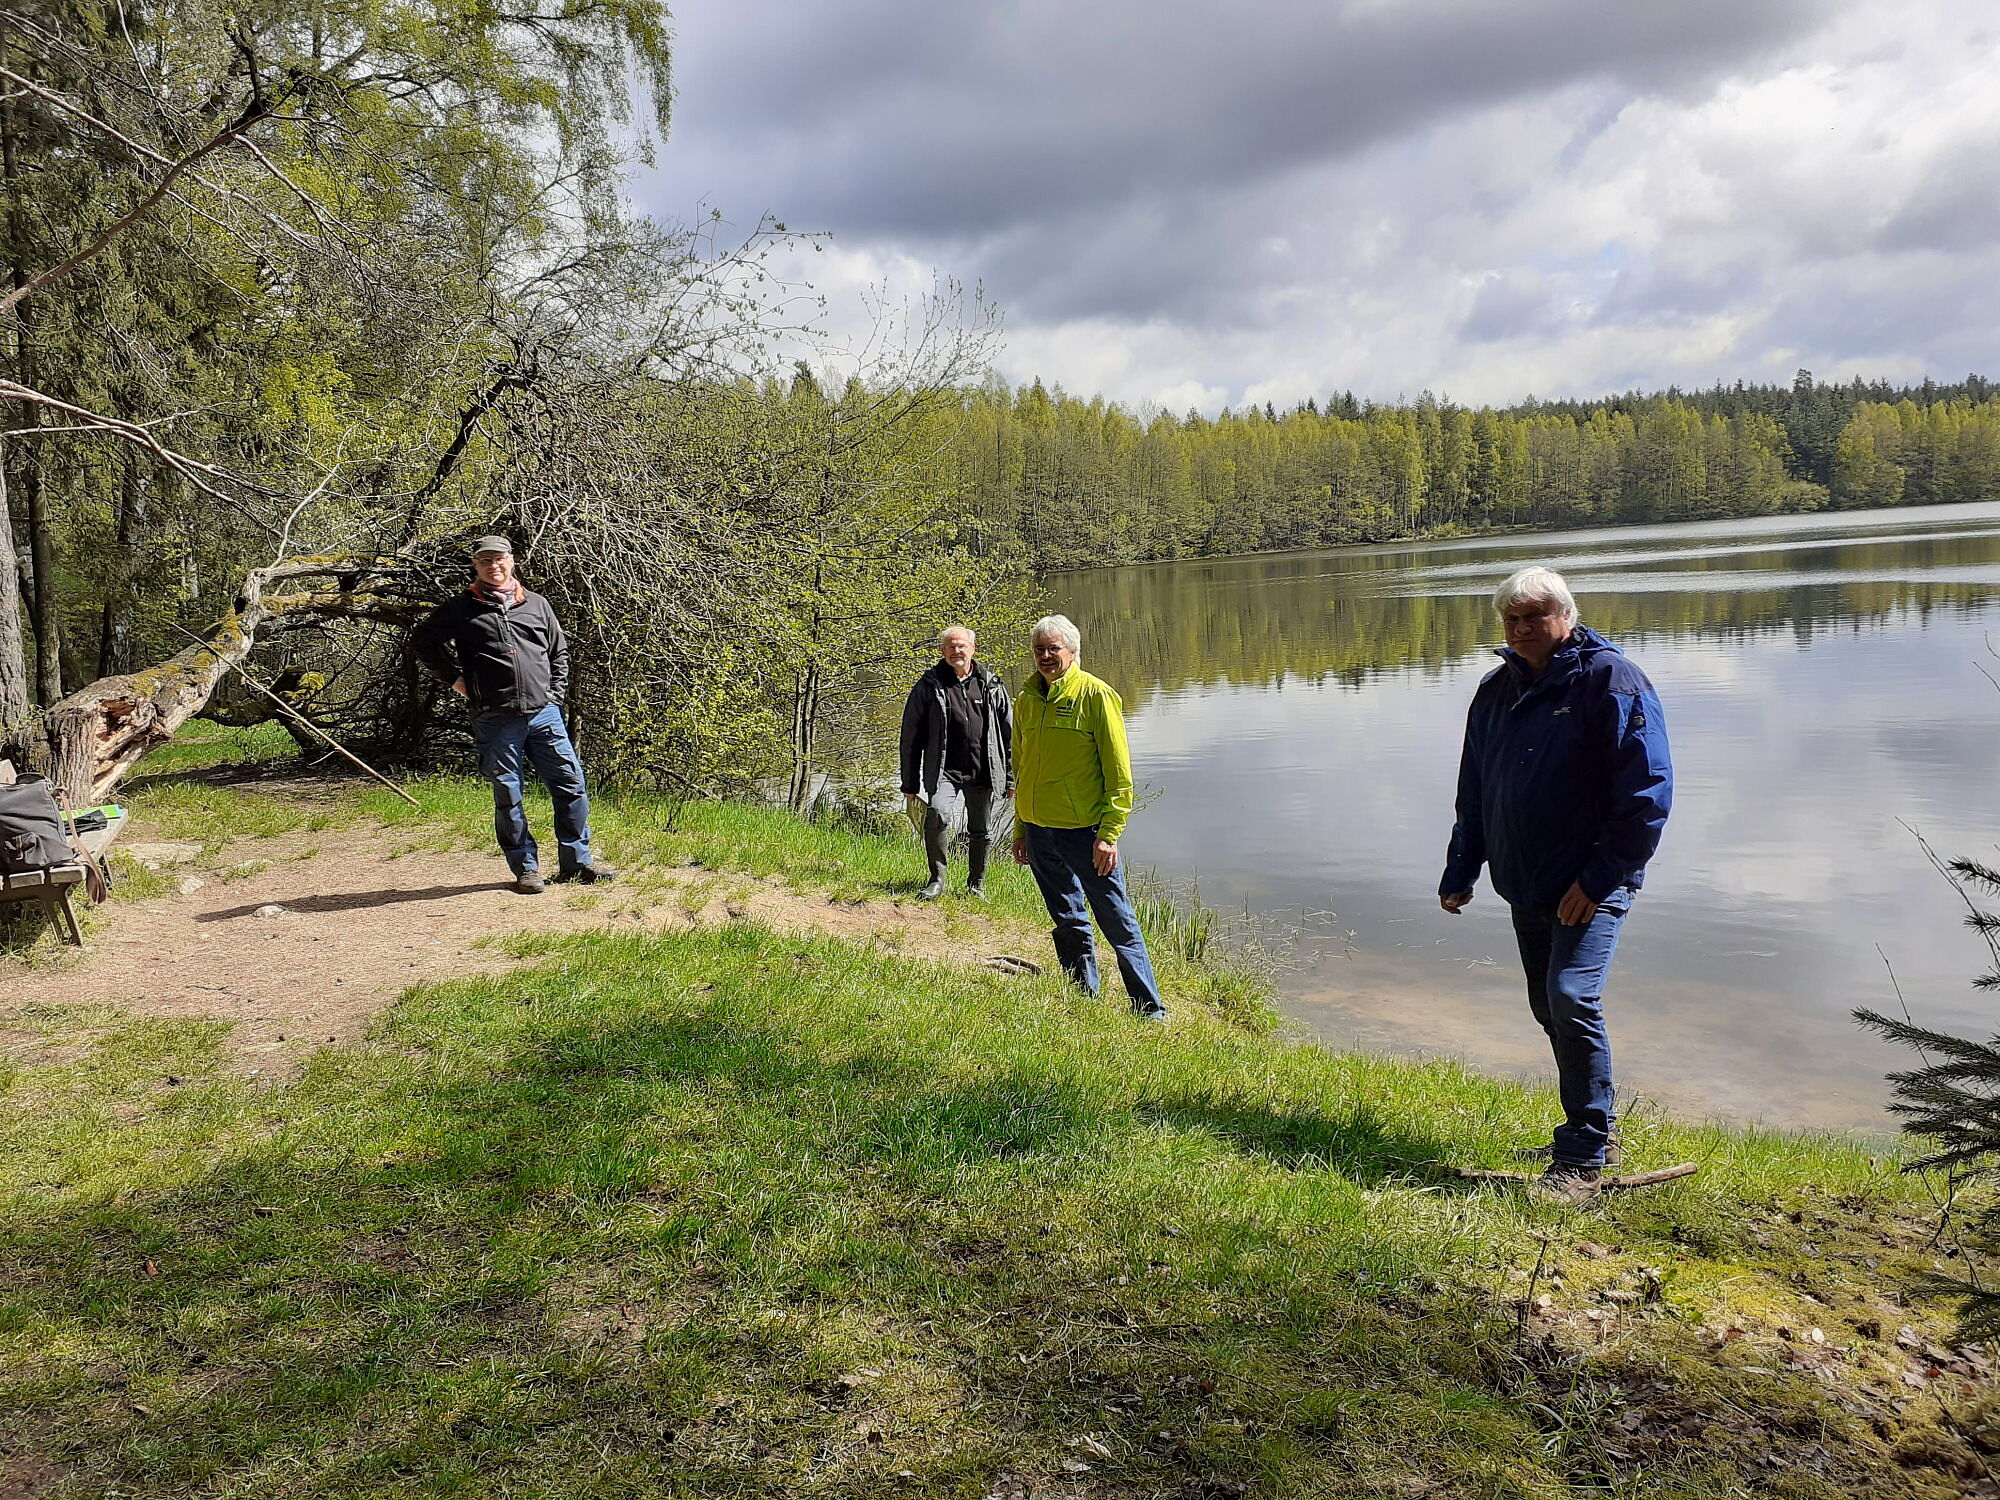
(1295, 723)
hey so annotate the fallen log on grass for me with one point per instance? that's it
(1637, 1179)
(89, 740)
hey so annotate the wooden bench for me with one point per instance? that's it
(52, 886)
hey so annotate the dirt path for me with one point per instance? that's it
(361, 924)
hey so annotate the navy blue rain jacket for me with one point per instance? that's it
(1565, 778)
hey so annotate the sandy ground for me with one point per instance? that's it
(362, 923)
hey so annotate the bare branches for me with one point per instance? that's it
(209, 479)
(89, 740)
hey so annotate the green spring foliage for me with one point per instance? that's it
(1080, 481)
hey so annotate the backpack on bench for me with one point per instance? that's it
(31, 829)
(36, 834)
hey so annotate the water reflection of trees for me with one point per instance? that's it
(1347, 617)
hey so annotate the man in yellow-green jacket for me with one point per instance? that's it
(1073, 793)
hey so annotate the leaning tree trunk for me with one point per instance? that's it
(89, 740)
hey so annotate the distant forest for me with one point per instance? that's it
(1076, 481)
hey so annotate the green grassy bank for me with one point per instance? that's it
(723, 1212)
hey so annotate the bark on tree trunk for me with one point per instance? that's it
(48, 629)
(114, 644)
(48, 655)
(805, 735)
(13, 651)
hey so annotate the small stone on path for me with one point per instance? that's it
(190, 885)
(271, 911)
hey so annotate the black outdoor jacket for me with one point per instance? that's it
(924, 719)
(515, 660)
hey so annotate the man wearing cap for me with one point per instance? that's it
(502, 649)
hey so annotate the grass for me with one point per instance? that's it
(712, 841)
(733, 1213)
(203, 743)
(729, 1213)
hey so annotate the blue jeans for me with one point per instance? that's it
(1566, 968)
(504, 741)
(1072, 890)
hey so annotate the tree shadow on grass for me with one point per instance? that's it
(1362, 1144)
(600, 1237)
(382, 1300)
(356, 900)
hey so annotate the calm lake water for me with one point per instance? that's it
(1295, 720)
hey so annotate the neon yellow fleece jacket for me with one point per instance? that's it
(1071, 765)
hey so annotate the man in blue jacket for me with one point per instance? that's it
(1563, 788)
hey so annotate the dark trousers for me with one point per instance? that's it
(1565, 968)
(1073, 891)
(508, 741)
(950, 805)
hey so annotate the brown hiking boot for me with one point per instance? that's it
(529, 883)
(1567, 1185)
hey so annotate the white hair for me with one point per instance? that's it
(1062, 627)
(951, 630)
(1535, 584)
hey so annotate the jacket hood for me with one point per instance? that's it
(1582, 645)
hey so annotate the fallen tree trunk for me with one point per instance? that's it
(87, 742)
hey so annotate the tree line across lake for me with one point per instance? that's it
(1082, 481)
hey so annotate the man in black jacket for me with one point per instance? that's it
(957, 751)
(502, 649)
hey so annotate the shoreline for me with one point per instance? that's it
(1451, 534)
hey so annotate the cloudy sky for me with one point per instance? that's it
(1193, 203)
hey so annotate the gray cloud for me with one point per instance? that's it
(1509, 306)
(1480, 198)
(941, 122)
(1953, 207)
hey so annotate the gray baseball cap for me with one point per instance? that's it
(493, 544)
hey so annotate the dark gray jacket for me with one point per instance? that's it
(924, 720)
(515, 660)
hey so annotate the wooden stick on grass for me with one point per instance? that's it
(244, 672)
(1638, 1179)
